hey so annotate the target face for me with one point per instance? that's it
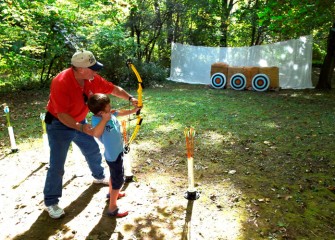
(238, 81)
(260, 82)
(218, 80)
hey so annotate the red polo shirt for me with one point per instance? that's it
(66, 95)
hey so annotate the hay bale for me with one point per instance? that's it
(250, 72)
(232, 71)
(220, 67)
(220, 64)
(273, 74)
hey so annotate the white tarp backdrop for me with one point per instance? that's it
(192, 64)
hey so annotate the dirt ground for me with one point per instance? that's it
(156, 201)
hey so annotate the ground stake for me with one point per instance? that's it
(44, 137)
(191, 193)
(126, 159)
(10, 131)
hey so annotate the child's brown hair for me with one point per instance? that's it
(97, 102)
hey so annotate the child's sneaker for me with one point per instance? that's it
(117, 213)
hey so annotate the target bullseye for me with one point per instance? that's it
(238, 81)
(218, 80)
(260, 82)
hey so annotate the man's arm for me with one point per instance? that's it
(121, 93)
(125, 112)
(70, 122)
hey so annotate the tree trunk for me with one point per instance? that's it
(49, 69)
(328, 66)
(169, 22)
(226, 7)
(44, 62)
(254, 23)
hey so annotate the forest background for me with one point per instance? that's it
(39, 37)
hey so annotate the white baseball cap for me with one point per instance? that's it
(86, 59)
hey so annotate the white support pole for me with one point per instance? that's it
(45, 143)
(45, 140)
(190, 165)
(46, 149)
(127, 168)
(12, 139)
(191, 193)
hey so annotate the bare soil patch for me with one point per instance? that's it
(158, 209)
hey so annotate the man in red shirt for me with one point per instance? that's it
(66, 122)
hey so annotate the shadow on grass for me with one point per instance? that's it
(187, 230)
(105, 228)
(44, 226)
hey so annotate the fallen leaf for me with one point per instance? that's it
(288, 197)
(331, 188)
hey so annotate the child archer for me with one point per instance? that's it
(107, 129)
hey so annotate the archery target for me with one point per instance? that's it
(238, 81)
(260, 82)
(218, 80)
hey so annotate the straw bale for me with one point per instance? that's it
(273, 74)
(250, 72)
(232, 71)
(220, 67)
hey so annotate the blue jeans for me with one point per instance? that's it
(60, 138)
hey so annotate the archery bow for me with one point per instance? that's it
(139, 104)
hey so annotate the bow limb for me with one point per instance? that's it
(137, 128)
(139, 89)
(139, 104)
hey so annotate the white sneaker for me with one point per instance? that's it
(101, 181)
(55, 211)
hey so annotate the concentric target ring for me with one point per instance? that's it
(260, 82)
(218, 80)
(238, 81)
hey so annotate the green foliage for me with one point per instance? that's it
(273, 21)
(39, 37)
(34, 42)
(153, 74)
(112, 48)
(6, 86)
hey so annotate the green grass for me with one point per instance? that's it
(281, 145)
